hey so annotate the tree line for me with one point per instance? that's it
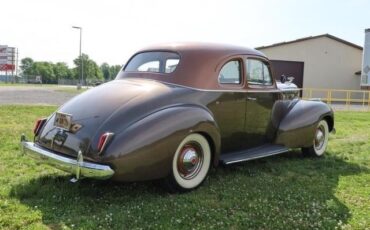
(51, 72)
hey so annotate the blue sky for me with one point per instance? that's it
(114, 29)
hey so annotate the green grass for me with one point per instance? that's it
(3, 84)
(281, 192)
(58, 88)
(70, 90)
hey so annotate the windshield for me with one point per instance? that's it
(157, 62)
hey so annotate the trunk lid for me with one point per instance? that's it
(90, 110)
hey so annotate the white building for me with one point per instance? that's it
(321, 62)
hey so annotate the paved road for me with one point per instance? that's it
(44, 95)
(33, 95)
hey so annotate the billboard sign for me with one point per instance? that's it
(7, 58)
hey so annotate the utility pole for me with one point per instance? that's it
(81, 60)
(16, 64)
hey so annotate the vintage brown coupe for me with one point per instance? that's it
(176, 110)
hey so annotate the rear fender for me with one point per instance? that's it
(297, 127)
(145, 149)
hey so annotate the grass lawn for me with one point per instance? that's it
(281, 192)
(71, 90)
(54, 87)
(9, 84)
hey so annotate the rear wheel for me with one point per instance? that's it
(190, 164)
(320, 141)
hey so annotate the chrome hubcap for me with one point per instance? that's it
(319, 137)
(190, 161)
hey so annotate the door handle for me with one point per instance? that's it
(251, 99)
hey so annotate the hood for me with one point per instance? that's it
(106, 108)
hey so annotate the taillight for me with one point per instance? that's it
(103, 141)
(38, 125)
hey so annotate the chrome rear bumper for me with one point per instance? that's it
(75, 166)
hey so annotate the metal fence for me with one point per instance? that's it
(340, 98)
(68, 82)
(88, 82)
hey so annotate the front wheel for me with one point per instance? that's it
(320, 141)
(190, 164)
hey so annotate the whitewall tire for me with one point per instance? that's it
(320, 141)
(190, 163)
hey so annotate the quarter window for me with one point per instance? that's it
(171, 65)
(230, 73)
(258, 72)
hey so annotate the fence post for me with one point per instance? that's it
(363, 100)
(328, 97)
(349, 98)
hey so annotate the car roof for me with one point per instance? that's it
(199, 63)
(194, 47)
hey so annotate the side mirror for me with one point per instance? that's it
(283, 78)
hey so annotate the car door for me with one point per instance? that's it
(261, 96)
(229, 108)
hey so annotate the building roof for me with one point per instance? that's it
(310, 38)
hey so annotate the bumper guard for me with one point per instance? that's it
(78, 166)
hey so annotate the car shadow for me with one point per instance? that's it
(275, 192)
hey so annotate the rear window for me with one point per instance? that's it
(157, 62)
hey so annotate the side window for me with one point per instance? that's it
(230, 73)
(258, 72)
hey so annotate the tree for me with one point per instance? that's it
(62, 71)
(109, 72)
(114, 69)
(26, 66)
(45, 70)
(105, 68)
(51, 72)
(91, 70)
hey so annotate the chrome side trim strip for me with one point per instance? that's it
(270, 90)
(257, 157)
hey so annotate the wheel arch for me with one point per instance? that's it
(330, 120)
(215, 150)
(145, 149)
(296, 129)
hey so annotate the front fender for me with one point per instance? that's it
(297, 128)
(144, 150)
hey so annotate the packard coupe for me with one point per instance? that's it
(174, 111)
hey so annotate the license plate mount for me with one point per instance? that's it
(63, 121)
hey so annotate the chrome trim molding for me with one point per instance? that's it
(257, 157)
(269, 89)
(74, 166)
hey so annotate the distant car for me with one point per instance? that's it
(176, 110)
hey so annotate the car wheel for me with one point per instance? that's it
(320, 141)
(190, 164)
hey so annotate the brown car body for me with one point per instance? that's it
(151, 113)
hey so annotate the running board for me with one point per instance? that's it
(251, 154)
